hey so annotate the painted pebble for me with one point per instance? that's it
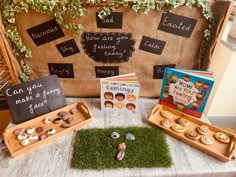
(33, 137)
(22, 136)
(62, 113)
(47, 120)
(19, 131)
(129, 136)
(70, 120)
(30, 130)
(67, 116)
(74, 111)
(115, 135)
(43, 136)
(51, 131)
(39, 130)
(25, 142)
(58, 120)
(120, 155)
(122, 146)
(65, 125)
(223, 138)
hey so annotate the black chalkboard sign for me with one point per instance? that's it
(34, 98)
(177, 24)
(152, 45)
(106, 71)
(45, 32)
(159, 70)
(62, 70)
(68, 48)
(108, 47)
(114, 20)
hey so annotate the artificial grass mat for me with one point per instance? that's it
(95, 149)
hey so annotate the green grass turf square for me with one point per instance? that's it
(95, 149)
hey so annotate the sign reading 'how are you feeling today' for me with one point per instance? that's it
(177, 24)
(34, 98)
(45, 32)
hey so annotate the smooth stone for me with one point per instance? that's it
(65, 125)
(43, 136)
(74, 111)
(51, 131)
(122, 146)
(120, 155)
(58, 120)
(30, 130)
(22, 136)
(70, 120)
(39, 130)
(62, 113)
(129, 136)
(19, 131)
(25, 142)
(33, 137)
(67, 116)
(47, 120)
(115, 135)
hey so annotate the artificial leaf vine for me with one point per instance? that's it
(77, 9)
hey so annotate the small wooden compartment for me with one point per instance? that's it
(221, 151)
(81, 118)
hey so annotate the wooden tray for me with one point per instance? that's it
(221, 151)
(82, 118)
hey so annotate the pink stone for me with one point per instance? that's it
(122, 146)
(43, 136)
(120, 155)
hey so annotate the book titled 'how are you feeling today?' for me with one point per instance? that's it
(120, 93)
(186, 90)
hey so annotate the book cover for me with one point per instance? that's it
(186, 90)
(120, 93)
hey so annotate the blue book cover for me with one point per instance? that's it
(186, 90)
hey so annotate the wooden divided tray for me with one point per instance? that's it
(219, 150)
(81, 118)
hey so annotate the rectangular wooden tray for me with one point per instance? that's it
(82, 118)
(221, 151)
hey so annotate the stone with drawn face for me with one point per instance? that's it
(207, 140)
(191, 134)
(203, 129)
(222, 137)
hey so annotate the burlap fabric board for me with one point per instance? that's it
(178, 51)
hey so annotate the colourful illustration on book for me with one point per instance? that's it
(120, 93)
(186, 90)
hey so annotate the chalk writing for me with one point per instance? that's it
(68, 48)
(61, 70)
(106, 71)
(152, 45)
(108, 47)
(114, 20)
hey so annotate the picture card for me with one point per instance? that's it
(45, 32)
(68, 48)
(120, 93)
(177, 24)
(34, 98)
(106, 71)
(114, 20)
(152, 45)
(158, 70)
(62, 70)
(108, 47)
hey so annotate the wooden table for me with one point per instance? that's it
(54, 159)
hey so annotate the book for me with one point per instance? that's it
(120, 93)
(186, 90)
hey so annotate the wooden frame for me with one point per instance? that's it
(82, 118)
(221, 151)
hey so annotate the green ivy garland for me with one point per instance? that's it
(78, 9)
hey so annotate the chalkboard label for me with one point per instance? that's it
(108, 47)
(114, 20)
(152, 45)
(106, 71)
(68, 48)
(159, 70)
(176, 24)
(62, 70)
(45, 32)
(34, 98)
